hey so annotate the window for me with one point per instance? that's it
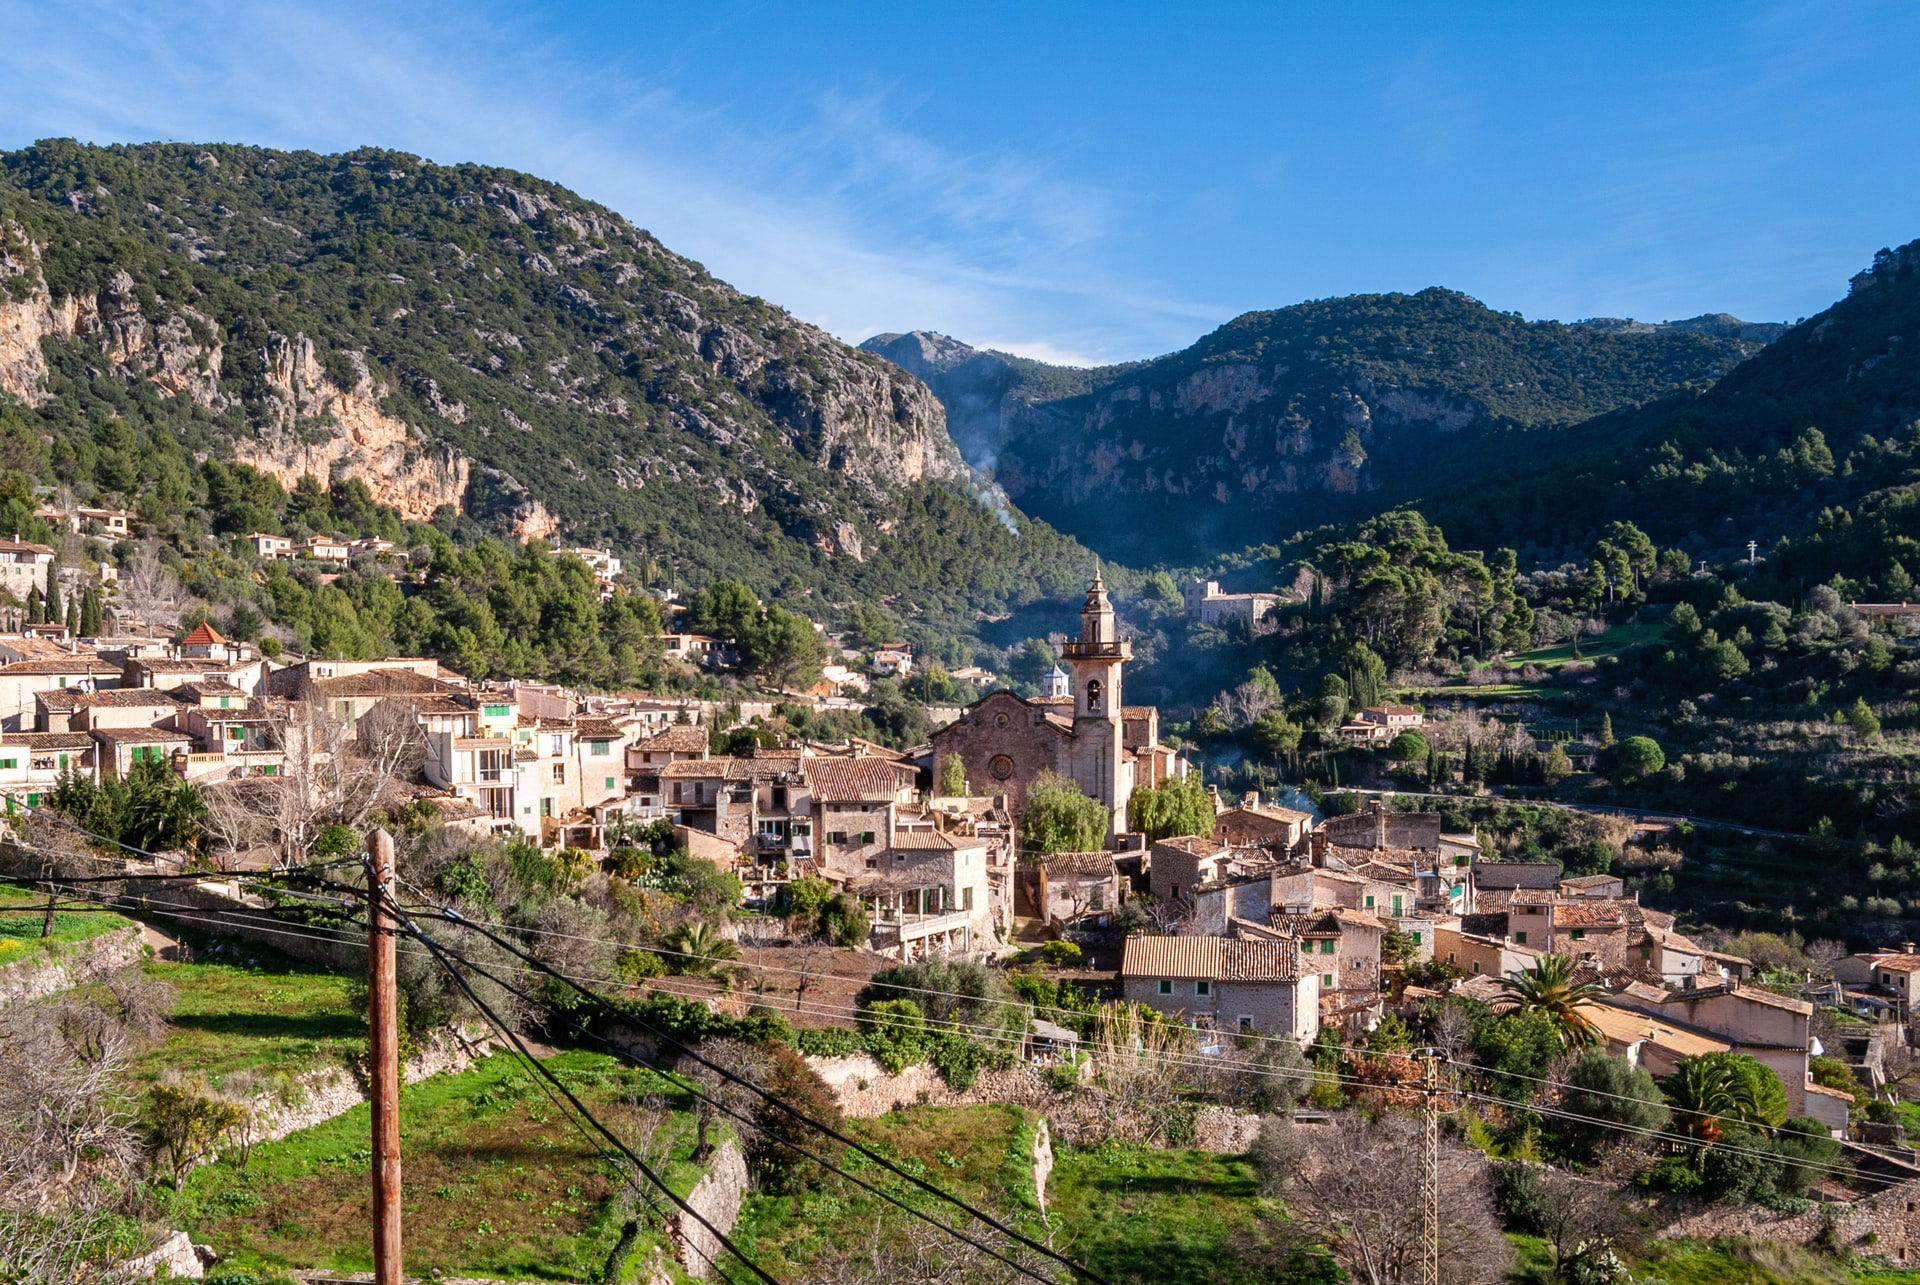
(1326, 979)
(599, 749)
(1202, 988)
(836, 836)
(966, 898)
(1520, 938)
(1416, 937)
(1093, 694)
(9, 763)
(1246, 1021)
(559, 773)
(1096, 901)
(1166, 986)
(546, 807)
(866, 836)
(1646, 952)
(1396, 903)
(226, 702)
(33, 800)
(1579, 934)
(609, 784)
(1326, 945)
(494, 711)
(1369, 905)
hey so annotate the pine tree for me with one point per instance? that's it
(1606, 731)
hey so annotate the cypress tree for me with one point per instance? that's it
(36, 606)
(55, 612)
(90, 623)
(73, 617)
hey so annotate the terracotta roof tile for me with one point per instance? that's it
(679, 739)
(1078, 863)
(841, 780)
(204, 635)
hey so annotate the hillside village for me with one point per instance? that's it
(1261, 922)
(461, 661)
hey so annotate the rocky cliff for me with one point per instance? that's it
(1280, 421)
(462, 338)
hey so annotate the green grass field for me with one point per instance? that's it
(268, 1014)
(496, 1181)
(22, 916)
(1611, 643)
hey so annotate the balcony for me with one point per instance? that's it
(902, 925)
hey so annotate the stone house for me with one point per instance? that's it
(118, 749)
(1593, 886)
(22, 680)
(1479, 954)
(31, 763)
(1343, 946)
(1394, 718)
(266, 545)
(1227, 983)
(1252, 823)
(929, 895)
(1177, 868)
(1775, 1030)
(1077, 887)
(1893, 976)
(676, 743)
(1610, 931)
(857, 802)
(24, 567)
(1207, 604)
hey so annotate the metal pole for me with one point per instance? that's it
(383, 1044)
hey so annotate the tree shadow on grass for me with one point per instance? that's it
(279, 1025)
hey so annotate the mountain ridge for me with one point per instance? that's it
(485, 344)
(1284, 419)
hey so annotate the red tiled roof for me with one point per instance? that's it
(840, 780)
(679, 739)
(203, 635)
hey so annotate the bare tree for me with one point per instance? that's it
(69, 1146)
(1359, 1183)
(149, 590)
(901, 1249)
(1585, 1223)
(333, 774)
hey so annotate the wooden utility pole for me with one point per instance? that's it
(383, 1044)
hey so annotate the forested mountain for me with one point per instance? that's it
(475, 343)
(1281, 421)
(1817, 430)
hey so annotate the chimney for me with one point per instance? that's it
(1379, 824)
(1317, 842)
(1906, 948)
(1251, 799)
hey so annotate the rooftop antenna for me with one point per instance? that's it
(1753, 547)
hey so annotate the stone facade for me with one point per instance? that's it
(1006, 741)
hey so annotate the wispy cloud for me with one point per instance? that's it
(846, 215)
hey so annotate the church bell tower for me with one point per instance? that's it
(1099, 755)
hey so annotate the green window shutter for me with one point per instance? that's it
(1520, 938)
(1369, 901)
(609, 783)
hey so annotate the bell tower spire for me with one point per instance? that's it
(1100, 762)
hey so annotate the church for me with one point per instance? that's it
(1081, 728)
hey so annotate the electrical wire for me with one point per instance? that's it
(787, 1108)
(644, 1168)
(688, 1085)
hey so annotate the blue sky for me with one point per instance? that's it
(1088, 182)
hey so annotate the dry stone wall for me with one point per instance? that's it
(717, 1198)
(32, 979)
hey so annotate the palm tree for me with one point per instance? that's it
(1548, 988)
(1708, 1091)
(694, 947)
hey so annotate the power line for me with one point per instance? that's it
(547, 1072)
(691, 1087)
(599, 1002)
